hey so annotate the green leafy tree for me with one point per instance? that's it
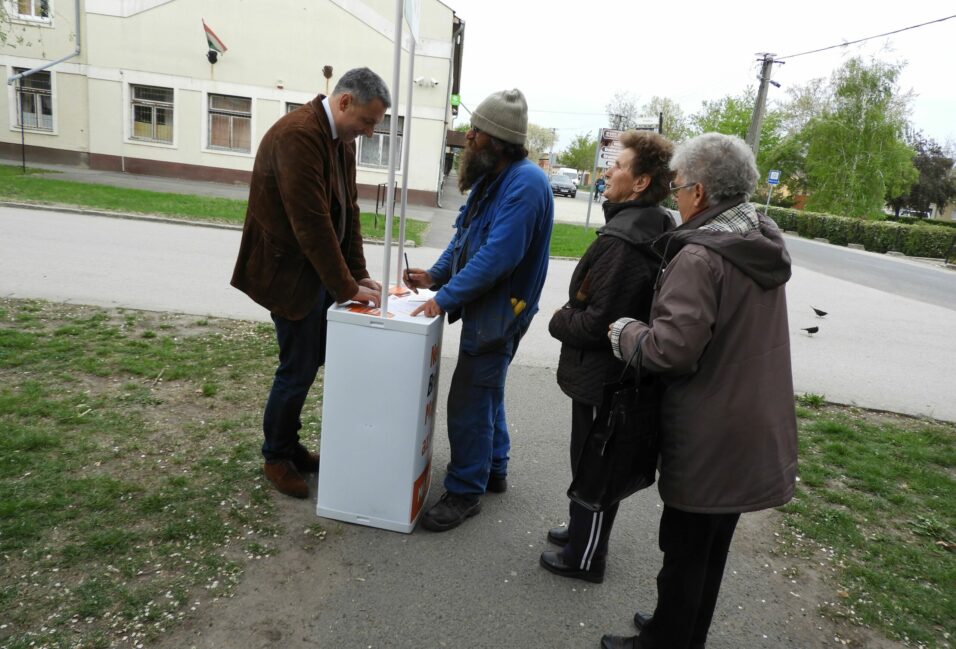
(804, 103)
(855, 155)
(936, 183)
(731, 115)
(580, 153)
(676, 126)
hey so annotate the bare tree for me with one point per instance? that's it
(540, 141)
(622, 111)
(676, 127)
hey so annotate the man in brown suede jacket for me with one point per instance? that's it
(302, 249)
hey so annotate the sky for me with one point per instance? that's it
(569, 60)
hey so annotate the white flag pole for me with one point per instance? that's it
(392, 141)
(406, 147)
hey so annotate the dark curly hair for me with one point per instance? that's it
(652, 156)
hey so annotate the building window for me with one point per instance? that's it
(34, 9)
(289, 106)
(230, 123)
(35, 101)
(152, 114)
(373, 151)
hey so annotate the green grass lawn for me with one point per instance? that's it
(130, 484)
(35, 187)
(570, 240)
(876, 504)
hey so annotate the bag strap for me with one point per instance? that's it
(637, 353)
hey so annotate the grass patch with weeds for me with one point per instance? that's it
(877, 500)
(130, 485)
(34, 187)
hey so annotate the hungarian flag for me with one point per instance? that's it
(213, 40)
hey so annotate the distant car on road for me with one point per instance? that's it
(562, 185)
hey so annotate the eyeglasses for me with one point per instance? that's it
(674, 188)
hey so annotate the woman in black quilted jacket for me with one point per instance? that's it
(614, 279)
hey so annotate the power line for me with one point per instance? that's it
(897, 31)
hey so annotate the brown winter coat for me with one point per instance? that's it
(719, 337)
(290, 242)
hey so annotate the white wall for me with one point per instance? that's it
(276, 52)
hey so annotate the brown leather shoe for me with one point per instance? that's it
(286, 478)
(305, 461)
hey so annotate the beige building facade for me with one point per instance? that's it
(142, 95)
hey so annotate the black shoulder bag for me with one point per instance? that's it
(619, 456)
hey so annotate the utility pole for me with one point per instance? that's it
(551, 153)
(753, 133)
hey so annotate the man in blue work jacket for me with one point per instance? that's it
(491, 276)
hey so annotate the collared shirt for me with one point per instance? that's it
(328, 113)
(340, 163)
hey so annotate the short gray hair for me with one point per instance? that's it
(364, 85)
(723, 164)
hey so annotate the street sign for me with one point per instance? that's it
(608, 148)
(774, 177)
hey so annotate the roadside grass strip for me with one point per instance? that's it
(568, 240)
(875, 511)
(44, 188)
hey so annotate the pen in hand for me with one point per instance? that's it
(408, 276)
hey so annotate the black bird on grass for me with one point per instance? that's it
(820, 313)
(811, 330)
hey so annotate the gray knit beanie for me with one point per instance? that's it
(503, 115)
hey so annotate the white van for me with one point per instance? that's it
(569, 172)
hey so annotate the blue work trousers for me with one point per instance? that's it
(301, 354)
(477, 429)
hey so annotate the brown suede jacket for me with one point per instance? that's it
(291, 238)
(719, 337)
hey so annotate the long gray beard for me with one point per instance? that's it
(474, 164)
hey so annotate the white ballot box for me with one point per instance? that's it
(378, 413)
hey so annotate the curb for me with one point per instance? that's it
(132, 216)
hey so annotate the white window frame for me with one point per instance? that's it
(130, 101)
(291, 106)
(36, 6)
(14, 103)
(377, 140)
(207, 134)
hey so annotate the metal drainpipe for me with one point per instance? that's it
(27, 73)
(16, 79)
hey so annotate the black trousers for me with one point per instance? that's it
(695, 550)
(301, 354)
(588, 531)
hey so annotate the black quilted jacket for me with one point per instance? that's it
(614, 279)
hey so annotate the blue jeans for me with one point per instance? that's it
(477, 429)
(301, 354)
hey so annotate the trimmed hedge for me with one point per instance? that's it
(915, 240)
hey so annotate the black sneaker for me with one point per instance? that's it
(497, 483)
(450, 511)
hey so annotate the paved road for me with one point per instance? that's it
(876, 348)
(917, 280)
